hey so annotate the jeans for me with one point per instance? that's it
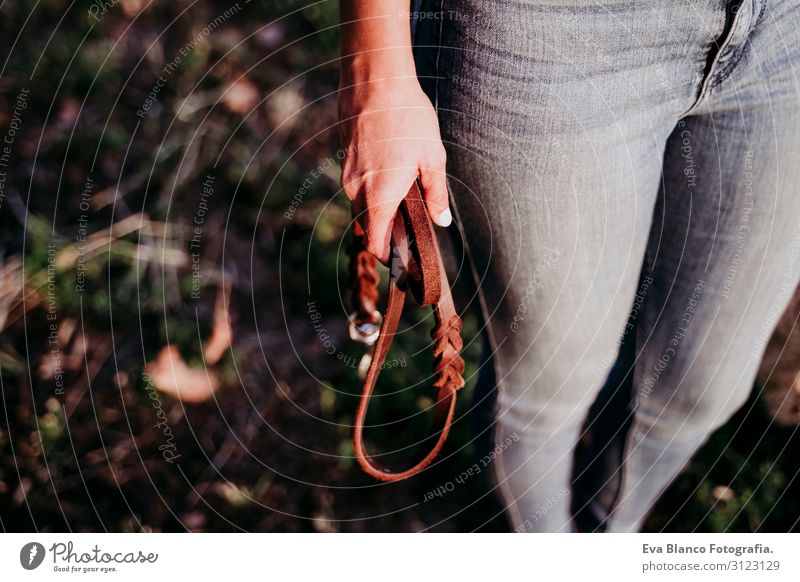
(620, 171)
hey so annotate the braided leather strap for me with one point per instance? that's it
(365, 278)
(417, 269)
(447, 354)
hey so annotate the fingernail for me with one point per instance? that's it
(445, 218)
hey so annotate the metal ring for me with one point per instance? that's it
(366, 332)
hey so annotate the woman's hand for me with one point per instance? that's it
(390, 135)
(389, 129)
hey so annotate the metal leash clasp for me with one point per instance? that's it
(365, 332)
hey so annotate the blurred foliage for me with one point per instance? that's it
(98, 227)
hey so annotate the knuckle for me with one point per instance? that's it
(348, 170)
(351, 188)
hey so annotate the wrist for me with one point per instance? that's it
(388, 66)
(375, 91)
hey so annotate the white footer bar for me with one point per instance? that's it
(400, 557)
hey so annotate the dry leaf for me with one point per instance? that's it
(172, 376)
(221, 330)
(132, 8)
(723, 494)
(241, 96)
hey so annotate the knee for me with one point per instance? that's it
(551, 390)
(694, 411)
(714, 408)
(545, 412)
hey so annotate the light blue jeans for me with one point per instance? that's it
(618, 169)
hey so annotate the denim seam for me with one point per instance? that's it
(473, 269)
(511, 507)
(709, 79)
(728, 68)
(498, 471)
(628, 469)
(635, 428)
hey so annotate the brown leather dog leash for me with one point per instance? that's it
(416, 267)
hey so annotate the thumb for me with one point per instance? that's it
(434, 188)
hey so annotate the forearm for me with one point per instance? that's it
(388, 125)
(375, 41)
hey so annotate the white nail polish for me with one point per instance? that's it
(445, 218)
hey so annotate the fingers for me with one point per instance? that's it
(376, 206)
(377, 223)
(377, 195)
(434, 188)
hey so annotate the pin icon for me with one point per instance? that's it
(31, 555)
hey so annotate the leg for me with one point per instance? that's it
(555, 140)
(725, 260)
(596, 476)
